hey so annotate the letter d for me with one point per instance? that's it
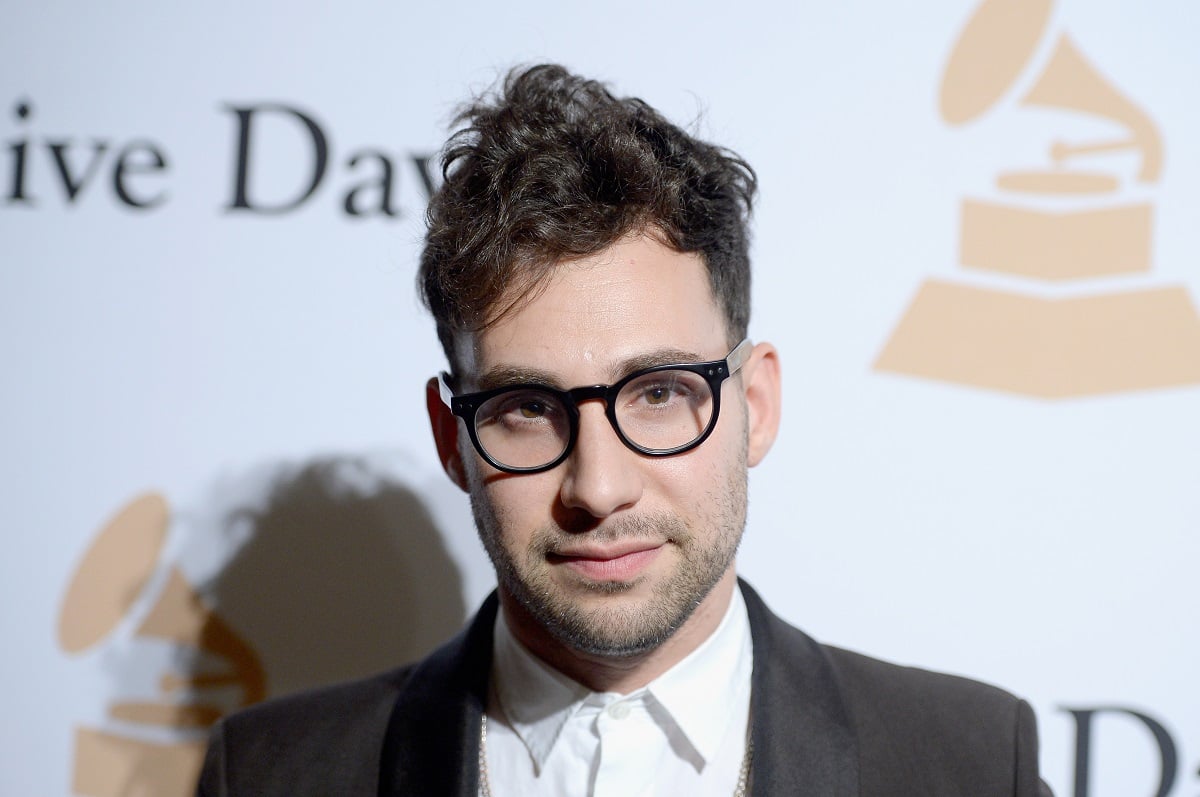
(245, 121)
(1083, 744)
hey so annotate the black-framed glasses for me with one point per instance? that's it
(657, 411)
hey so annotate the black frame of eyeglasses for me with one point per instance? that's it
(715, 372)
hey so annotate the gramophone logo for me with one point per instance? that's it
(1055, 226)
(141, 607)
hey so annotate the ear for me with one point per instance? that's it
(445, 434)
(764, 400)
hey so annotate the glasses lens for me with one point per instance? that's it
(523, 428)
(666, 409)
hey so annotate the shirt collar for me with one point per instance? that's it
(720, 666)
(538, 701)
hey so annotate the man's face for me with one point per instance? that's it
(611, 551)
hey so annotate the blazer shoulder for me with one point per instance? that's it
(899, 689)
(328, 706)
(271, 748)
(390, 733)
(952, 734)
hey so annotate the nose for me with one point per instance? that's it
(600, 477)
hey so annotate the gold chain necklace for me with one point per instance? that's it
(485, 785)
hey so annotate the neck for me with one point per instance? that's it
(621, 674)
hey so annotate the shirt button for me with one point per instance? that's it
(618, 711)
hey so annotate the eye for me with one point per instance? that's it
(657, 395)
(658, 390)
(532, 409)
(521, 409)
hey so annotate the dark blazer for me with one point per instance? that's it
(825, 722)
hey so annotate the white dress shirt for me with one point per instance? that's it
(683, 734)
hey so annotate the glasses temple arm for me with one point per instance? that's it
(738, 357)
(444, 389)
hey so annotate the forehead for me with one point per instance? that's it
(634, 298)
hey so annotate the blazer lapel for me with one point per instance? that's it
(432, 741)
(803, 741)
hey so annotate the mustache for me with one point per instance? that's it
(661, 527)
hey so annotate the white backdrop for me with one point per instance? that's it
(262, 372)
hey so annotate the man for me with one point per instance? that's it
(587, 264)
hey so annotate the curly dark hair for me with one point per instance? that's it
(552, 167)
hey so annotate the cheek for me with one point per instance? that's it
(705, 484)
(673, 474)
(520, 504)
(681, 481)
(712, 461)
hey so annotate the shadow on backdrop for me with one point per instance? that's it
(338, 571)
(342, 573)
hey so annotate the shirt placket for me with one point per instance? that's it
(628, 749)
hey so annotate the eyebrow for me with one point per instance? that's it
(506, 375)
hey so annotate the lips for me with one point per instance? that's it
(612, 563)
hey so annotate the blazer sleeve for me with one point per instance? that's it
(212, 774)
(1029, 782)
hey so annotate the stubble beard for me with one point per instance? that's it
(623, 629)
